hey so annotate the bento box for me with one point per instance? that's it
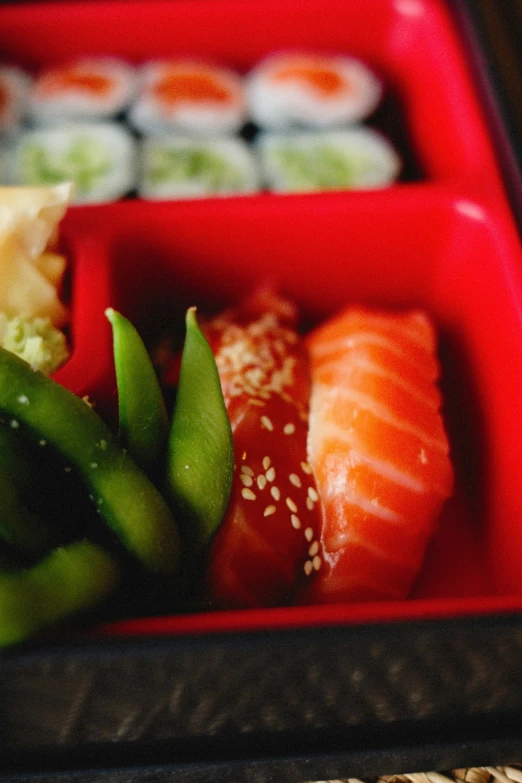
(300, 692)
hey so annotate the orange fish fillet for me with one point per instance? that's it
(379, 451)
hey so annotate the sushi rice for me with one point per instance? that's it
(181, 167)
(295, 90)
(189, 97)
(89, 89)
(355, 158)
(100, 158)
(14, 88)
(3, 166)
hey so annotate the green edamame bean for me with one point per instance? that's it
(123, 495)
(200, 452)
(68, 580)
(143, 423)
(17, 526)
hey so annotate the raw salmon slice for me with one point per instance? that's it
(378, 449)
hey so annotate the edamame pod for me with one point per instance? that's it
(122, 494)
(201, 452)
(68, 580)
(17, 526)
(143, 423)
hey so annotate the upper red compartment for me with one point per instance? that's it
(432, 112)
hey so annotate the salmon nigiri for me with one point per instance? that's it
(378, 449)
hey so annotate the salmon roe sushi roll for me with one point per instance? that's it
(293, 89)
(379, 452)
(93, 88)
(14, 87)
(189, 96)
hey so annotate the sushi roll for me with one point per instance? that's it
(311, 90)
(180, 167)
(99, 158)
(14, 87)
(330, 160)
(188, 96)
(89, 89)
(3, 166)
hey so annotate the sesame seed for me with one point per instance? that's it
(316, 562)
(23, 399)
(42, 442)
(308, 567)
(269, 510)
(291, 505)
(314, 549)
(248, 494)
(247, 481)
(312, 494)
(94, 464)
(309, 504)
(186, 467)
(14, 424)
(289, 428)
(103, 445)
(296, 522)
(67, 468)
(266, 463)
(267, 423)
(275, 492)
(255, 401)
(294, 479)
(306, 468)
(261, 481)
(248, 471)
(243, 456)
(309, 533)
(270, 474)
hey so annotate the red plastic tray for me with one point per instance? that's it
(444, 242)
(443, 239)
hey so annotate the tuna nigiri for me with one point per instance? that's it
(267, 541)
(378, 449)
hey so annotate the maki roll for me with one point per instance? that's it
(4, 180)
(99, 158)
(188, 96)
(175, 167)
(329, 160)
(89, 89)
(311, 90)
(14, 87)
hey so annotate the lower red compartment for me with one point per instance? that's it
(462, 265)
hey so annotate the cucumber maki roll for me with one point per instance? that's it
(190, 97)
(14, 88)
(84, 90)
(99, 158)
(330, 160)
(306, 90)
(174, 167)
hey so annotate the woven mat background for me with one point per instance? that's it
(511, 774)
